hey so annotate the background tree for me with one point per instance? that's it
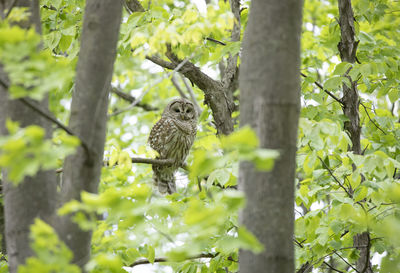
(24, 203)
(270, 103)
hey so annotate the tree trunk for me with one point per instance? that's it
(89, 114)
(34, 196)
(351, 100)
(270, 102)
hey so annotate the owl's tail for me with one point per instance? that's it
(164, 181)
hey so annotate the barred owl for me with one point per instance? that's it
(172, 136)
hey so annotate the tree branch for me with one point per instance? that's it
(177, 86)
(40, 111)
(191, 94)
(139, 99)
(215, 41)
(331, 267)
(133, 6)
(157, 60)
(229, 79)
(214, 93)
(156, 161)
(48, 116)
(335, 178)
(163, 260)
(344, 260)
(10, 8)
(131, 99)
(370, 119)
(326, 91)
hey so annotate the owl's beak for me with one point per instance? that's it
(183, 116)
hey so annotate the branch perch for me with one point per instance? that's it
(163, 260)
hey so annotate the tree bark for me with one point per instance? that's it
(351, 101)
(89, 114)
(36, 195)
(270, 102)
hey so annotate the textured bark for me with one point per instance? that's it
(270, 102)
(35, 196)
(351, 101)
(215, 95)
(88, 114)
(347, 49)
(218, 95)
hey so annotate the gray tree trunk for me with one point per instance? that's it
(270, 102)
(35, 196)
(89, 114)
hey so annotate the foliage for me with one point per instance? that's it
(339, 193)
(26, 151)
(52, 255)
(32, 72)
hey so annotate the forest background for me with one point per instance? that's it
(82, 83)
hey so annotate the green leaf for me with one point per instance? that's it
(333, 83)
(341, 68)
(249, 241)
(245, 137)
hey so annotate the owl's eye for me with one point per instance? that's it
(176, 110)
(188, 110)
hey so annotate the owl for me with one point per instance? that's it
(172, 136)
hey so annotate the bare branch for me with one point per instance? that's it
(344, 260)
(215, 41)
(160, 162)
(231, 70)
(40, 111)
(323, 89)
(191, 94)
(157, 60)
(214, 93)
(370, 119)
(133, 6)
(131, 99)
(331, 267)
(163, 260)
(10, 8)
(177, 86)
(48, 116)
(152, 161)
(335, 178)
(139, 99)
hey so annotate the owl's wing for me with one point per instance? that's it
(160, 134)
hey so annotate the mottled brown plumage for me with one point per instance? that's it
(172, 136)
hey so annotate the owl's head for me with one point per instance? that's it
(180, 109)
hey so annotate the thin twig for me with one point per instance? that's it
(323, 89)
(178, 87)
(344, 260)
(370, 119)
(216, 41)
(10, 8)
(139, 99)
(123, 95)
(191, 94)
(48, 116)
(51, 118)
(335, 178)
(331, 267)
(42, 112)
